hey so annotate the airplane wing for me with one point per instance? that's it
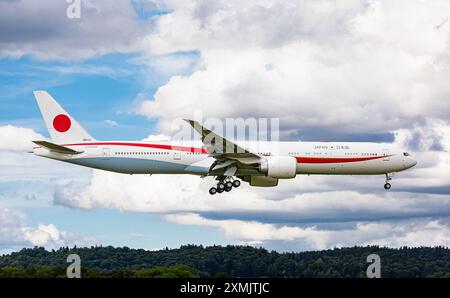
(56, 148)
(229, 156)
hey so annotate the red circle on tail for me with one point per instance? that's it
(62, 123)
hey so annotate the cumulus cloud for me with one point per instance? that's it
(43, 30)
(430, 145)
(158, 137)
(424, 232)
(18, 164)
(15, 138)
(344, 67)
(292, 201)
(251, 232)
(15, 232)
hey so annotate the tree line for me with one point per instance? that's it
(226, 261)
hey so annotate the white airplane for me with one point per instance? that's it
(259, 167)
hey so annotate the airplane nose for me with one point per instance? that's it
(409, 162)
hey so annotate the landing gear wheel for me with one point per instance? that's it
(229, 184)
(220, 186)
(236, 183)
(212, 191)
(227, 189)
(220, 190)
(387, 186)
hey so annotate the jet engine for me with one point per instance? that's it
(282, 167)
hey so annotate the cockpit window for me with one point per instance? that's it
(406, 154)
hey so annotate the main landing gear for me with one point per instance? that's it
(226, 185)
(387, 185)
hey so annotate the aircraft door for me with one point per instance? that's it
(176, 155)
(386, 155)
(105, 153)
(330, 152)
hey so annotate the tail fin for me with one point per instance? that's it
(61, 126)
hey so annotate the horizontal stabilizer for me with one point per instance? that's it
(56, 147)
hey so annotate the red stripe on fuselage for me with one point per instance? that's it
(299, 159)
(335, 159)
(145, 145)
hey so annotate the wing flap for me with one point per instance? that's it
(229, 157)
(219, 147)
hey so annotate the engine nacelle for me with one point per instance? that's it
(263, 181)
(283, 167)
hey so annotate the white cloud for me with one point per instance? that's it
(158, 137)
(431, 148)
(14, 233)
(42, 29)
(43, 235)
(237, 24)
(424, 232)
(292, 200)
(15, 138)
(88, 70)
(111, 123)
(24, 166)
(252, 231)
(17, 164)
(345, 66)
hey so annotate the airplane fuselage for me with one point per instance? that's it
(260, 164)
(334, 158)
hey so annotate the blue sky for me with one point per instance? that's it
(363, 71)
(108, 92)
(94, 90)
(111, 96)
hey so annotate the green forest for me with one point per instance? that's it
(226, 261)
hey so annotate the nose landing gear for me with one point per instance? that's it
(226, 185)
(387, 185)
